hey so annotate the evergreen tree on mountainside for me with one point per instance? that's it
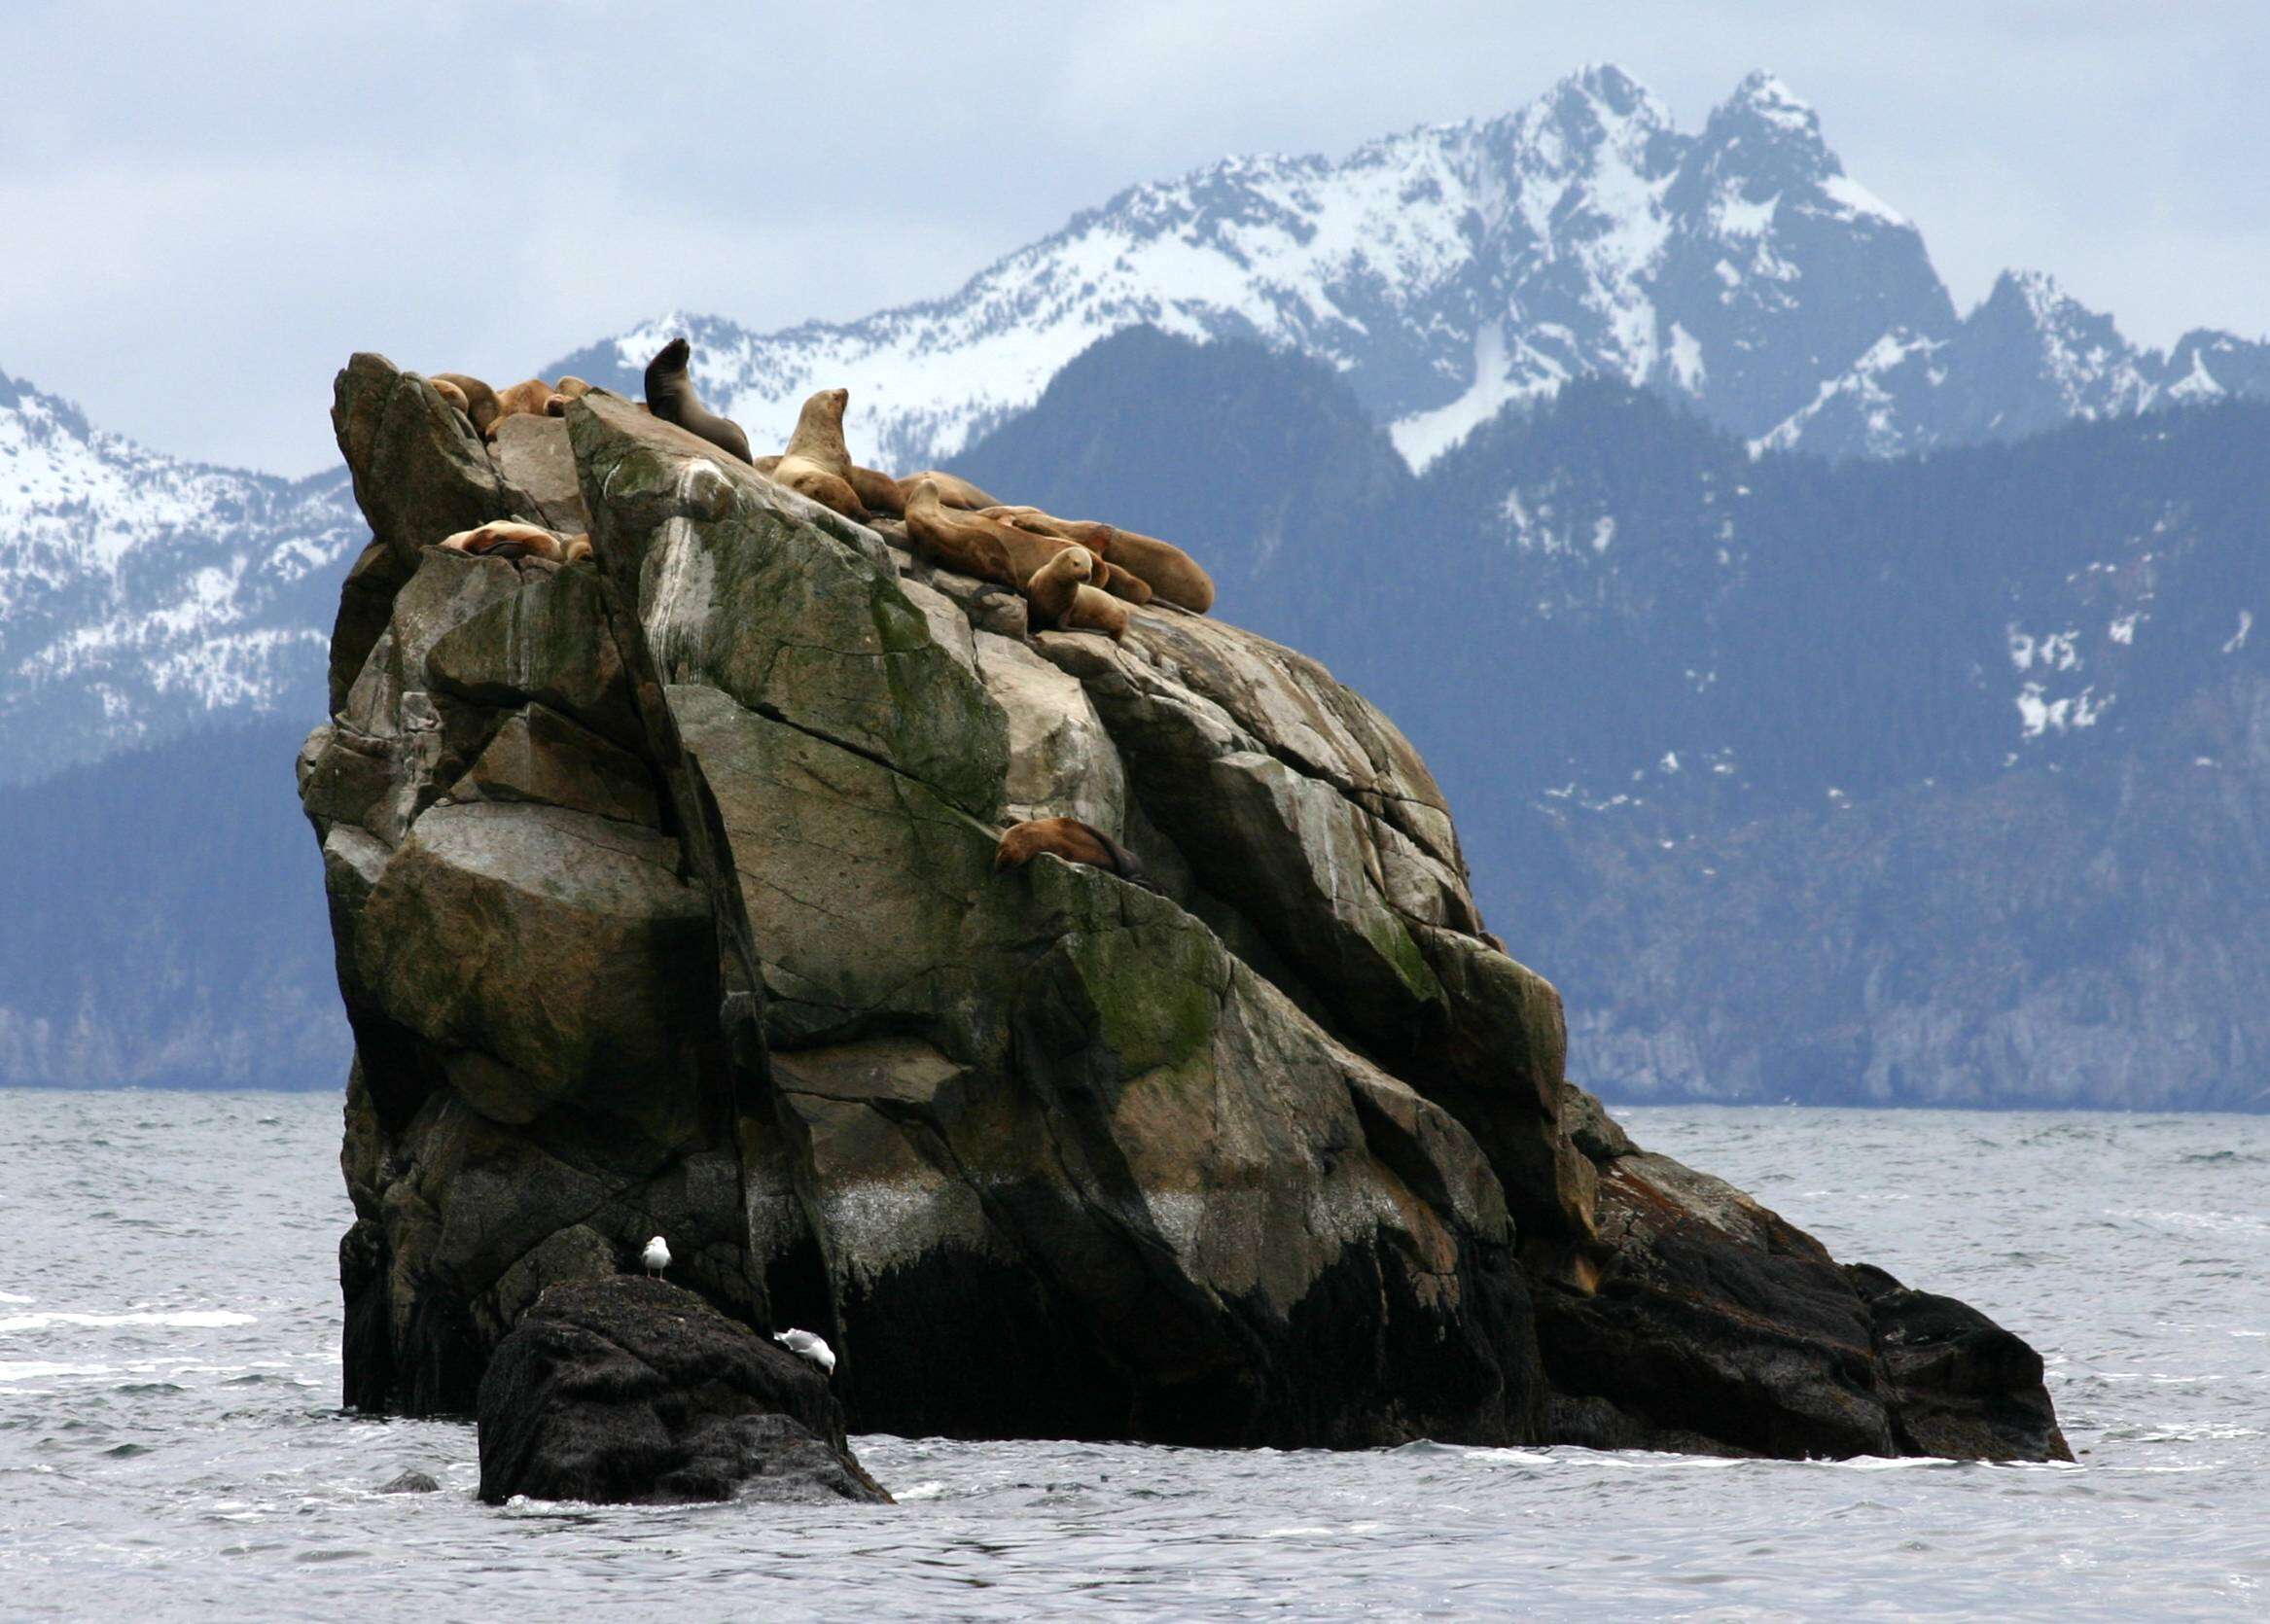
(165, 923)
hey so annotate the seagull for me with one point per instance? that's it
(656, 1256)
(804, 1345)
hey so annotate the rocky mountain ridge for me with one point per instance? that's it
(1451, 270)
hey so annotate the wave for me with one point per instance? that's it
(183, 1319)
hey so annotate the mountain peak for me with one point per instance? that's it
(1764, 96)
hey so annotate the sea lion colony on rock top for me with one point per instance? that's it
(1076, 575)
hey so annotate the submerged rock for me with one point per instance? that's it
(412, 1483)
(633, 1389)
(663, 902)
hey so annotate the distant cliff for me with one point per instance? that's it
(663, 902)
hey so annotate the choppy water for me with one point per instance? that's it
(170, 1442)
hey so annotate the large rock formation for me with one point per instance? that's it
(663, 902)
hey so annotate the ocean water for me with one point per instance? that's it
(171, 1443)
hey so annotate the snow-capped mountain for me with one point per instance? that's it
(1452, 270)
(141, 595)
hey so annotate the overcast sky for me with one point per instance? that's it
(208, 209)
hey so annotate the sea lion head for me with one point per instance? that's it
(1079, 562)
(673, 355)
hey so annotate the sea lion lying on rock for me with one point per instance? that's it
(670, 397)
(961, 541)
(815, 463)
(510, 539)
(986, 547)
(570, 388)
(1071, 840)
(1165, 568)
(451, 395)
(481, 401)
(1173, 574)
(952, 489)
(1060, 595)
(879, 492)
(532, 398)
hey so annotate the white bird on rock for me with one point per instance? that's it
(804, 1345)
(656, 1256)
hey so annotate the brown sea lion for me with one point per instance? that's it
(952, 489)
(1071, 840)
(571, 388)
(1115, 578)
(532, 397)
(577, 549)
(1060, 596)
(969, 542)
(451, 395)
(878, 491)
(670, 397)
(815, 463)
(819, 433)
(510, 539)
(1096, 538)
(481, 401)
(961, 541)
(1174, 574)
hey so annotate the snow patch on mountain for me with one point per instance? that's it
(141, 596)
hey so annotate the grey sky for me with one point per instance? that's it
(209, 207)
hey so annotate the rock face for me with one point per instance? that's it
(664, 903)
(634, 1390)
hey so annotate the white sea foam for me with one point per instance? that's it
(192, 1319)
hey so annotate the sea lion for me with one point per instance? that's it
(510, 539)
(451, 395)
(670, 397)
(819, 433)
(815, 463)
(532, 397)
(878, 491)
(1071, 840)
(571, 388)
(481, 401)
(1173, 574)
(1096, 538)
(577, 549)
(1060, 595)
(962, 541)
(974, 545)
(952, 489)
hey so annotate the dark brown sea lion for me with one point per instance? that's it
(481, 401)
(1071, 840)
(1060, 595)
(670, 397)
